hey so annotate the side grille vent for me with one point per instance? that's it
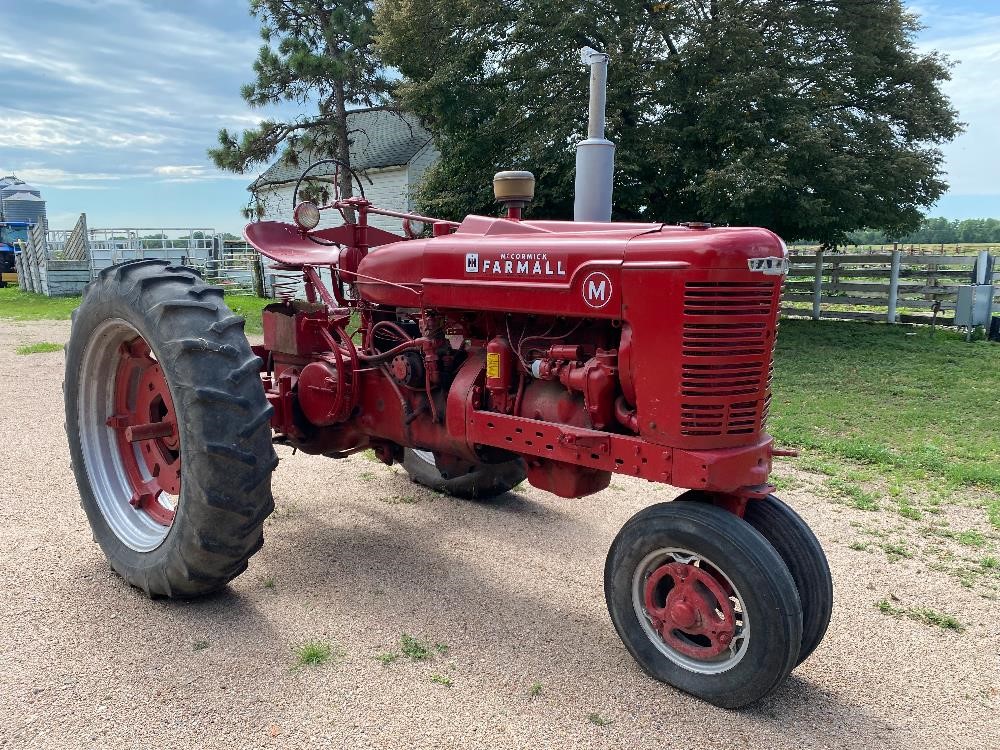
(726, 356)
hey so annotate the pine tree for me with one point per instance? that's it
(318, 54)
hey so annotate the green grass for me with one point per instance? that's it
(18, 305)
(250, 308)
(199, 645)
(598, 720)
(313, 654)
(855, 496)
(535, 690)
(897, 551)
(925, 615)
(910, 408)
(400, 499)
(387, 658)
(442, 679)
(42, 347)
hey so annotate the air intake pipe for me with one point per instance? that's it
(595, 156)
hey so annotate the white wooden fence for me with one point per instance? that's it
(893, 287)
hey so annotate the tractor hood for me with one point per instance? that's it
(547, 267)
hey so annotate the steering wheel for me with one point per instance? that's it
(311, 167)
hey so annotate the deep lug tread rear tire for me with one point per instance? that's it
(486, 482)
(226, 452)
(757, 572)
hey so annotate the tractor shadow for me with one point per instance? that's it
(229, 619)
(536, 618)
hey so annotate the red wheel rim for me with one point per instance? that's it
(146, 433)
(696, 616)
(690, 610)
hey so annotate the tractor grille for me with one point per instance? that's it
(727, 345)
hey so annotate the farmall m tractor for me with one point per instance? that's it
(480, 354)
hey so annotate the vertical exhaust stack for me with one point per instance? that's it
(595, 156)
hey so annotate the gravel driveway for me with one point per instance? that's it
(511, 593)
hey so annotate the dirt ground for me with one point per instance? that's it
(356, 556)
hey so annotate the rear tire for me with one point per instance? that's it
(703, 602)
(221, 445)
(485, 482)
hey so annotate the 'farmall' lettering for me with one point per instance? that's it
(515, 264)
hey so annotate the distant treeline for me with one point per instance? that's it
(936, 231)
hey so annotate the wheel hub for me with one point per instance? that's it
(146, 433)
(695, 616)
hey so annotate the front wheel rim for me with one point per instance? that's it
(690, 610)
(129, 435)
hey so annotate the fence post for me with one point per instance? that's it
(818, 285)
(22, 276)
(893, 287)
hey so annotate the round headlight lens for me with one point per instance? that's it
(413, 228)
(307, 215)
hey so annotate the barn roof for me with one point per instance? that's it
(381, 138)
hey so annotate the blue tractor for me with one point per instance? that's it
(11, 232)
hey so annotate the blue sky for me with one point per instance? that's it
(109, 105)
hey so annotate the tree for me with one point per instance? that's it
(812, 117)
(317, 54)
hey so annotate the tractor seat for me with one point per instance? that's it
(289, 246)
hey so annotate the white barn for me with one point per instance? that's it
(389, 150)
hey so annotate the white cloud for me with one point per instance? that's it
(31, 130)
(51, 177)
(193, 173)
(186, 170)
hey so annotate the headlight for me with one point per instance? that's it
(306, 215)
(413, 228)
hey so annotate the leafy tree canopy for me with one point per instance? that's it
(935, 231)
(811, 117)
(318, 54)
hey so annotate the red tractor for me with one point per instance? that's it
(476, 355)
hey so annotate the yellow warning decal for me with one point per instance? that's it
(493, 364)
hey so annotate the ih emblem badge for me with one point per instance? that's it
(471, 262)
(597, 289)
(769, 266)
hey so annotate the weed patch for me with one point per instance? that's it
(414, 649)
(41, 347)
(925, 615)
(442, 679)
(313, 654)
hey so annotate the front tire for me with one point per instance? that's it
(484, 482)
(703, 602)
(168, 429)
(806, 561)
